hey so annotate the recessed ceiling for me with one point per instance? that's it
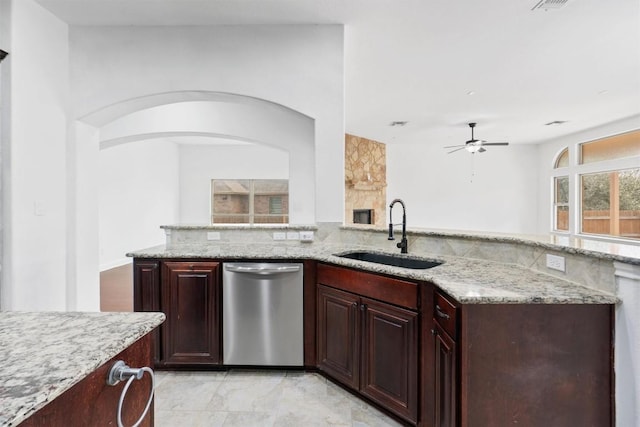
(418, 60)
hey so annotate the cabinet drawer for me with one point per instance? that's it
(393, 291)
(445, 314)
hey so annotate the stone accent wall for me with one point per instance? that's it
(365, 178)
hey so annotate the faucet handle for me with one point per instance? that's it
(391, 232)
(403, 246)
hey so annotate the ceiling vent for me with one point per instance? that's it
(549, 4)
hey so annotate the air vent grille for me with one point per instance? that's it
(550, 4)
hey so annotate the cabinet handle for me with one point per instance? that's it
(434, 332)
(355, 304)
(363, 307)
(441, 313)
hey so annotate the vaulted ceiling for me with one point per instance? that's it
(511, 65)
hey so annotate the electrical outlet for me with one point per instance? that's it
(555, 262)
(213, 235)
(306, 236)
(293, 235)
(279, 235)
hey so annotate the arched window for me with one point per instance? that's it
(600, 193)
(562, 161)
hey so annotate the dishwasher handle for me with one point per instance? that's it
(263, 270)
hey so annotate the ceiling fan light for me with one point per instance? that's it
(472, 148)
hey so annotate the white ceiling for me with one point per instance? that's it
(418, 60)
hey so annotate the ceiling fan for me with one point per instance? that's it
(474, 145)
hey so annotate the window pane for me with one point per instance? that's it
(231, 204)
(562, 189)
(231, 186)
(630, 190)
(563, 159)
(271, 186)
(613, 147)
(561, 186)
(595, 192)
(611, 203)
(264, 201)
(271, 219)
(230, 219)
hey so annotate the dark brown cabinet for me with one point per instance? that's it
(146, 296)
(444, 331)
(92, 402)
(409, 347)
(366, 344)
(389, 373)
(524, 364)
(188, 292)
(190, 299)
(445, 379)
(338, 335)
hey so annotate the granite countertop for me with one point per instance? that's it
(44, 354)
(593, 247)
(469, 281)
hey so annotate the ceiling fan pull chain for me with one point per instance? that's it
(473, 170)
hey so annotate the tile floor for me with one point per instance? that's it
(245, 398)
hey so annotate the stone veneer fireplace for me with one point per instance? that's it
(365, 181)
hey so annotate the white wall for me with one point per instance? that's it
(235, 118)
(139, 190)
(199, 164)
(5, 25)
(34, 162)
(300, 67)
(148, 183)
(495, 191)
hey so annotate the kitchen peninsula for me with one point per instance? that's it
(466, 333)
(54, 366)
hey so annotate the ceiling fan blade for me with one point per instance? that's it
(457, 149)
(453, 146)
(496, 143)
(481, 150)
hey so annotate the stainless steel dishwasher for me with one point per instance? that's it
(262, 314)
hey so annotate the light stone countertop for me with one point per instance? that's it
(594, 247)
(43, 354)
(469, 281)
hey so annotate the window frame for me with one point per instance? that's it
(251, 202)
(574, 170)
(556, 204)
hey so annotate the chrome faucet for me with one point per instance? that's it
(403, 243)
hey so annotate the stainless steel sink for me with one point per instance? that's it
(390, 259)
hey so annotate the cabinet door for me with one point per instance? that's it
(190, 299)
(389, 372)
(445, 376)
(337, 334)
(146, 295)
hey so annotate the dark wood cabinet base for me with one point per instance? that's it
(410, 349)
(92, 402)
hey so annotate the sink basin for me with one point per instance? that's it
(390, 259)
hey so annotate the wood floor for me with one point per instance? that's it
(116, 289)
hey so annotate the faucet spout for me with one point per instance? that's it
(403, 244)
